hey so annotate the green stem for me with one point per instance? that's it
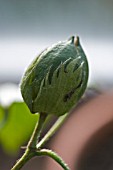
(27, 156)
(53, 129)
(33, 148)
(53, 155)
(30, 150)
(36, 133)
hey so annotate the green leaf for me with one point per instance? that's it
(18, 128)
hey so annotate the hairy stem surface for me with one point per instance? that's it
(34, 149)
(30, 150)
(53, 155)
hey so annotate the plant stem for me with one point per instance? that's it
(36, 133)
(30, 150)
(53, 129)
(33, 148)
(21, 162)
(53, 155)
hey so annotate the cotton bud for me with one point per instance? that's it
(55, 81)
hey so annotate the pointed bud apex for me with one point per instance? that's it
(56, 79)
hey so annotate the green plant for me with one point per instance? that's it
(12, 135)
(53, 84)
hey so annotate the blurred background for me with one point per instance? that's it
(26, 28)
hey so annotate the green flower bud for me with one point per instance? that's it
(56, 79)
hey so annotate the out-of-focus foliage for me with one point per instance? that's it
(17, 128)
(1, 117)
(16, 125)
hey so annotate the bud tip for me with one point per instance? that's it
(77, 42)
